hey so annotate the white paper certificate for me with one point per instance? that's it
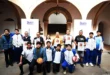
(81, 46)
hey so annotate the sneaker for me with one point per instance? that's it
(64, 72)
(87, 64)
(91, 64)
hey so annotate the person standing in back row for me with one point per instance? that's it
(90, 47)
(6, 41)
(38, 38)
(57, 40)
(99, 48)
(67, 39)
(80, 42)
(18, 45)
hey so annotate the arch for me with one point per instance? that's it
(53, 1)
(57, 19)
(51, 9)
(100, 7)
(61, 10)
(18, 12)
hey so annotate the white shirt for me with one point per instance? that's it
(91, 44)
(17, 40)
(28, 54)
(68, 39)
(57, 57)
(68, 56)
(49, 54)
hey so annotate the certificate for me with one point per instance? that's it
(81, 46)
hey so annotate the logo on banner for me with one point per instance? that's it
(30, 23)
(83, 23)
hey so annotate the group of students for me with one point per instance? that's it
(51, 51)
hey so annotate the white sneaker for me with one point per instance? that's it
(87, 64)
(64, 72)
(91, 64)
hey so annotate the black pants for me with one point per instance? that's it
(17, 53)
(8, 56)
(39, 67)
(48, 66)
(56, 67)
(24, 61)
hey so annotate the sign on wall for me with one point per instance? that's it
(30, 25)
(85, 25)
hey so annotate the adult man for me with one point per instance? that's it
(80, 42)
(6, 41)
(26, 37)
(38, 38)
(68, 39)
(17, 43)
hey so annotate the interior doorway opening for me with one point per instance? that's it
(57, 23)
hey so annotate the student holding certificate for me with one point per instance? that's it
(80, 42)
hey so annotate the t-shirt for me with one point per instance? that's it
(57, 41)
(80, 38)
(28, 54)
(57, 58)
(49, 54)
(99, 42)
(68, 39)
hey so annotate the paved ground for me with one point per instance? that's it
(104, 70)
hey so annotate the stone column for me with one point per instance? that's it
(45, 27)
(69, 25)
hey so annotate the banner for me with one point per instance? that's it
(30, 25)
(85, 25)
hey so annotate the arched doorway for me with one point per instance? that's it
(40, 11)
(100, 19)
(10, 16)
(60, 10)
(57, 23)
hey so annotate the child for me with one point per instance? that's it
(99, 48)
(49, 56)
(90, 46)
(26, 57)
(48, 38)
(68, 55)
(57, 59)
(38, 53)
